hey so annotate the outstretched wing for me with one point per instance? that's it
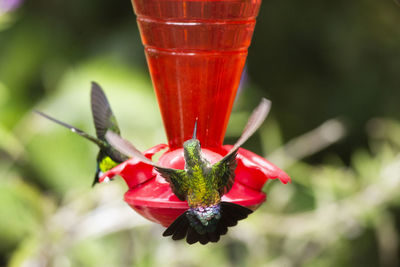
(224, 170)
(256, 119)
(224, 173)
(176, 178)
(103, 116)
(74, 129)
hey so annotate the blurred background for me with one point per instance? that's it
(331, 69)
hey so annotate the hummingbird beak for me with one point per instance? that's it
(195, 130)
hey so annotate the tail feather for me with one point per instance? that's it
(175, 225)
(222, 229)
(213, 237)
(204, 239)
(181, 231)
(227, 220)
(235, 211)
(230, 214)
(192, 236)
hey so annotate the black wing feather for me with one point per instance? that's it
(224, 170)
(257, 117)
(103, 116)
(100, 143)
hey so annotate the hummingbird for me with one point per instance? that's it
(201, 184)
(104, 120)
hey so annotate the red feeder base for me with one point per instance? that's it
(151, 196)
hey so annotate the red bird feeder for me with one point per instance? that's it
(196, 51)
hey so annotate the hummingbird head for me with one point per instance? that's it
(192, 147)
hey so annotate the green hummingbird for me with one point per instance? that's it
(104, 120)
(201, 184)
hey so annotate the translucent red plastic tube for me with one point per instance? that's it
(196, 51)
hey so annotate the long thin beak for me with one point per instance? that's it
(195, 129)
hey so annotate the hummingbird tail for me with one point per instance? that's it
(178, 229)
(187, 225)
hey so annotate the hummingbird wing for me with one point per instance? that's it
(176, 178)
(107, 157)
(103, 116)
(223, 173)
(224, 170)
(74, 129)
(256, 119)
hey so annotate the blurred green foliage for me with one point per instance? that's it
(316, 60)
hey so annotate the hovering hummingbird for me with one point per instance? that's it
(201, 184)
(104, 120)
